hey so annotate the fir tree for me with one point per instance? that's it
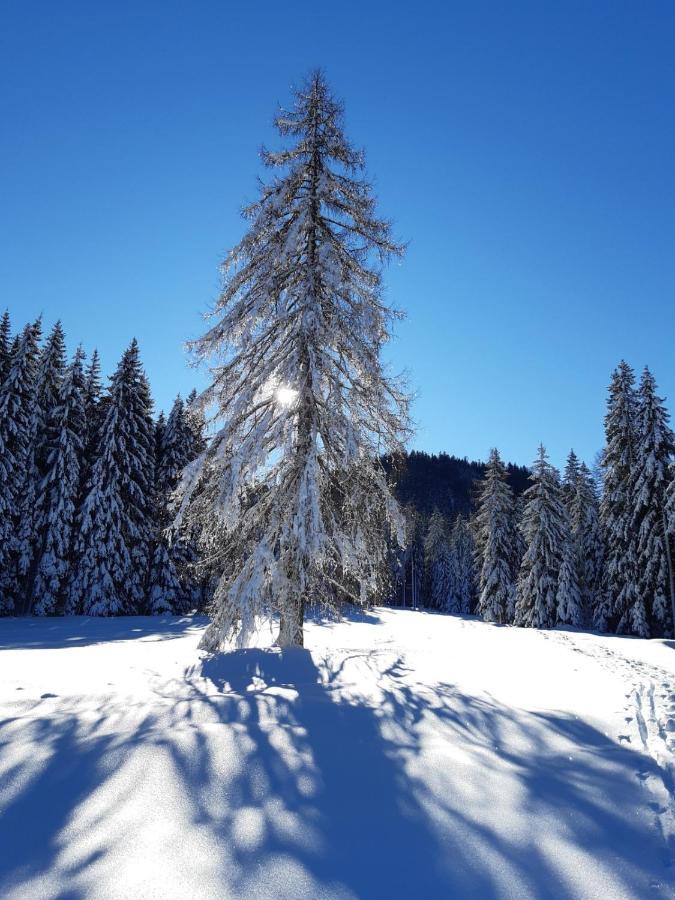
(654, 447)
(59, 491)
(462, 551)
(17, 417)
(618, 504)
(5, 345)
(570, 478)
(568, 595)
(113, 544)
(294, 476)
(168, 592)
(495, 544)
(50, 370)
(544, 530)
(437, 562)
(589, 549)
(92, 402)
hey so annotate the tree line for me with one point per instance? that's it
(576, 549)
(86, 476)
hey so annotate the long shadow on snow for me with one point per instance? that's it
(329, 779)
(354, 815)
(33, 632)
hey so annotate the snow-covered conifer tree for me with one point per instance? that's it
(294, 478)
(588, 544)
(112, 550)
(544, 529)
(17, 416)
(59, 492)
(5, 345)
(495, 544)
(568, 595)
(50, 370)
(654, 448)
(570, 478)
(167, 592)
(437, 562)
(618, 504)
(462, 574)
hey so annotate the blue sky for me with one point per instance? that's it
(526, 151)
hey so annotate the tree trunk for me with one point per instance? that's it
(290, 625)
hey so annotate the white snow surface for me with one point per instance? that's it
(402, 754)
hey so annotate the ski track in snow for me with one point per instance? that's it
(649, 717)
(403, 754)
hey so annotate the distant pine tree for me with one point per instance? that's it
(17, 417)
(654, 448)
(59, 492)
(568, 595)
(495, 544)
(617, 508)
(570, 478)
(50, 371)
(461, 595)
(437, 562)
(589, 549)
(168, 590)
(112, 550)
(5, 345)
(544, 530)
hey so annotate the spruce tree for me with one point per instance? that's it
(59, 492)
(544, 529)
(50, 371)
(168, 593)
(294, 476)
(462, 577)
(17, 417)
(654, 448)
(495, 544)
(570, 478)
(5, 345)
(589, 549)
(114, 534)
(437, 562)
(568, 595)
(618, 505)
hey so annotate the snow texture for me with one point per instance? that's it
(402, 754)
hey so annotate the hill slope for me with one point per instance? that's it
(403, 754)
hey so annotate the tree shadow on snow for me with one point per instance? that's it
(337, 795)
(36, 633)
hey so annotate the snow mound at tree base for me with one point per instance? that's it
(402, 754)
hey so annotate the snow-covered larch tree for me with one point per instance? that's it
(654, 448)
(544, 528)
(495, 544)
(618, 504)
(290, 496)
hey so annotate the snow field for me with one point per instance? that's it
(401, 754)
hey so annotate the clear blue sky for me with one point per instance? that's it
(526, 150)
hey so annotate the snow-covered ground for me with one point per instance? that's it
(403, 755)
